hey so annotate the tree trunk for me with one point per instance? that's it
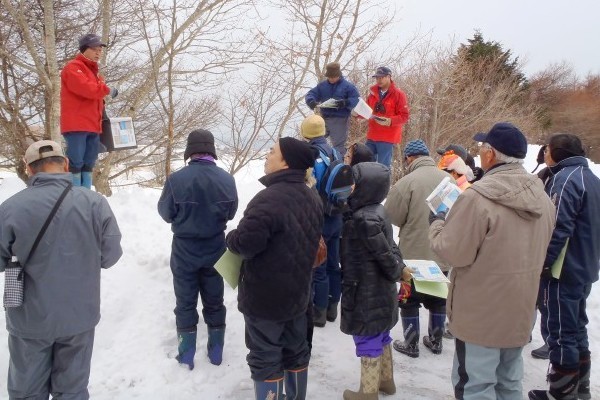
(53, 87)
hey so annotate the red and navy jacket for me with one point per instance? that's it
(395, 107)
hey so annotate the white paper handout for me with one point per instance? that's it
(331, 103)
(443, 196)
(426, 270)
(363, 109)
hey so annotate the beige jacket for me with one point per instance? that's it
(495, 236)
(407, 209)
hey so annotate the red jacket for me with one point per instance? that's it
(81, 96)
(396, 108)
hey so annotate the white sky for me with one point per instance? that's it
(538, 32)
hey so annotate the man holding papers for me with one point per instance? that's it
(495, 237)
(278, 239)
(575, 191)
(197, 201)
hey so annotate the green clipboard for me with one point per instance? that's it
(556, 268)
(437, 289)
(229, 266)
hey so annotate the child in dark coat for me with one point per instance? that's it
(371, 266)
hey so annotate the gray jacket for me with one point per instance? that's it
(62, 279)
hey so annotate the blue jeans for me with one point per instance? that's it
(371, 346)
(382, 150)
(82, 150)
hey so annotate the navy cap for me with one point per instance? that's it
(382, 71)
(90, 40)
(506, 138)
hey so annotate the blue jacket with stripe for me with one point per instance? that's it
(575, 191)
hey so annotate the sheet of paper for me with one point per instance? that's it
(363, 109)
(437, 289)
(426, 270)
(443, 196)
(330, 103)
(229, 266)
(556, 268)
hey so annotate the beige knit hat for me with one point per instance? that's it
(312, 127)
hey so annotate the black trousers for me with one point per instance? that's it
(276, 346)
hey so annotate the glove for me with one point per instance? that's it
(311, 104)
(340, 103)
(404, 292)
(383, 121)
(546, 273)
(113, 92)
(433, 217)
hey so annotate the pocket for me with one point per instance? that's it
(14, 285)
(349, 291)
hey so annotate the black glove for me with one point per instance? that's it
(311, 104)
(546, 273)
(433, 217)
(340, 103)
(113, 92)
(478, 174)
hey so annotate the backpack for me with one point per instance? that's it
(334, 181)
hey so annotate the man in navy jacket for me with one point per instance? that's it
(197, 201)
(575, 191)
(337, 119)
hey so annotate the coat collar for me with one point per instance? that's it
(285, 175)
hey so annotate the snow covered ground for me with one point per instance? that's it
(136, 342)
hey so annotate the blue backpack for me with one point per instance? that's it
(334, 181)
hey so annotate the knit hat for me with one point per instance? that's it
(333, 70)
(565, 145)
(416, 148)
(297, 154)
(506, 138)
(90, 40)
(312, 127)
(42, 149)
(200, 141)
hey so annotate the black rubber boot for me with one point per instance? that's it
(436, 331)
(332, 312)
(585, 364)
(563, 385)
(540, 352)
(410, 345)
(319, 317)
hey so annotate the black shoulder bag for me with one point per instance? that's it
(14, 273)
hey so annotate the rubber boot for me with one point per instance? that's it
(76, 178)
(295, 384)
(410, 345)
(436, 332)
(216, 341)
(585, 364)
(563, 385)
(386, 383)
(370, 374)
(269, 390)
(332, 311)
(540, 352)
(86, 179)
(319, 317)
(187, 347)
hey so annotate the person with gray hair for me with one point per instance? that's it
(496, 266)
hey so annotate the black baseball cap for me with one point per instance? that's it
(457, 149)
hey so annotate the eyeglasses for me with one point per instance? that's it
(379, 107)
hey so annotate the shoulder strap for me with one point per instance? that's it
(47, 223)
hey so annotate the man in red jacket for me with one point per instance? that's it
(81, 100)
(390, 112)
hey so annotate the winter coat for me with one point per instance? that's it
(82, 93)
(197, 201)
(575, 191)
(62, 278)
(495, 237)
(407, 209)
(371, 261)
(278, 239)
(396, 108)
(341, 90)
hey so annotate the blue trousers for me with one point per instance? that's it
(564, 321)
(82, 150)
(371, 346)
(382, 150)
(327, 278)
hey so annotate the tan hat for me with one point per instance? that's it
(312, 127)
(43, 149)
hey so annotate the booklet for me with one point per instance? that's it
(443, 196)
(556, 268)
(330, 103)
(428, 278)
(229, 266)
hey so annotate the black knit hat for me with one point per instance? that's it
(297, 153)
(200, 141)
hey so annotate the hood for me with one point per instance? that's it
(372, 184)
(421, 162)
(513, 187)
